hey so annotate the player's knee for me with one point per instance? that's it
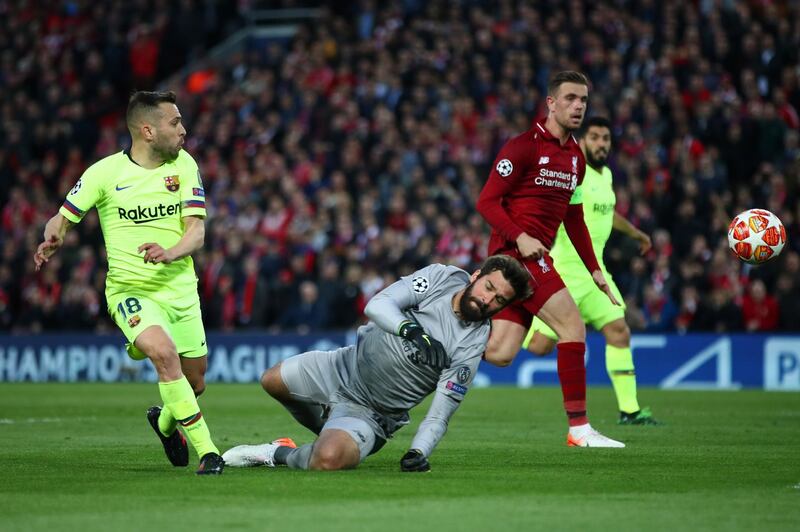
(540, 348)
(165, 358)
(272, 382)
(619, 334)
(329, 458)
(165, 351)
(498, 358)
(498, 354)
(573, 330)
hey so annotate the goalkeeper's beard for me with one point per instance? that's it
(470, 308)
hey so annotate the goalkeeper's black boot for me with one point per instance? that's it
(211, 464)
(174, 445)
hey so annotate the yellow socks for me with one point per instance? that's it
(619, 364)
(181, 403)
(166, 423)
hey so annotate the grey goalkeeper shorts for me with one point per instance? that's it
(316, 377)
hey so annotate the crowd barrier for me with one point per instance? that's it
(668, 361)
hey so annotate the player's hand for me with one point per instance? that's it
(644, 242)
(600, 281)
(46, 250)
(155, 254)
(431, 352)
(530, 248)
(414, 462)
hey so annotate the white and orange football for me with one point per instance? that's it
(756, 236)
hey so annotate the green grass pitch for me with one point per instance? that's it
(82, 457)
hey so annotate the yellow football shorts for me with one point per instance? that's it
(133, 313)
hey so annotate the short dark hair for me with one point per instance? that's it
(144, 101)
(597, 121)
(513, 271)
(567, 76)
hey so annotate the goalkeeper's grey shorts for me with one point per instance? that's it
(360, 423)
(314, 377)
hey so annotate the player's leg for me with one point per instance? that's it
(558, 310)
(561, 314)
(186, 328)
(194, 369)
(509, 327)
(177, 394)
(303, 384)
(143, 321)
(552, 303)
(541, 339)
(608, 318)
(335, 449)
(187, 336)
(308, 414)
(622, 372)
(347, 438)
(344, 442)
(619, 364)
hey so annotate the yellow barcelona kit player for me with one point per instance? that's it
(138, 205)
(598, 211)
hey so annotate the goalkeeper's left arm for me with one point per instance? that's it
(430, 432)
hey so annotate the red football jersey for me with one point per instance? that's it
(530, 187)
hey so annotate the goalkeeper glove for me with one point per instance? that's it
(431, 352)
(414, 462)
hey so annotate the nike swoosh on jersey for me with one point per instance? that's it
(122, 188)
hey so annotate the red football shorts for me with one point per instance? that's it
(545, 281)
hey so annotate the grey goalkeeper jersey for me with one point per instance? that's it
(386, 375)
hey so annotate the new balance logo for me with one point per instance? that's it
(544, 160)
(543, 265)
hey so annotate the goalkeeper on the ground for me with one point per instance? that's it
(427, 334)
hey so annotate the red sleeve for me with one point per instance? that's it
(509, 167)
(579, 235)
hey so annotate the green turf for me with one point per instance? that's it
(82, 457)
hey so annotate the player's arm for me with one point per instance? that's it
(575, 225)
(194, 234)
(509, 167)
(622, 225)
(83, 196)
(54, 232)
(387, 306)
(451, 390)
(429, 434)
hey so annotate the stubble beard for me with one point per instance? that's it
(595, 162)
(166, 153)
(472, 313)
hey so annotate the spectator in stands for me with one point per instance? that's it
(718, 313)
(309, 314)
(760, 310)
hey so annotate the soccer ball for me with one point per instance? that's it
(756, 236)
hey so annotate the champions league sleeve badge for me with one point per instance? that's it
(504, 168)
(420, 285)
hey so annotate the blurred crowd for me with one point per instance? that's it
(354, 152)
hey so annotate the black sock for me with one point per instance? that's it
(281, 454)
